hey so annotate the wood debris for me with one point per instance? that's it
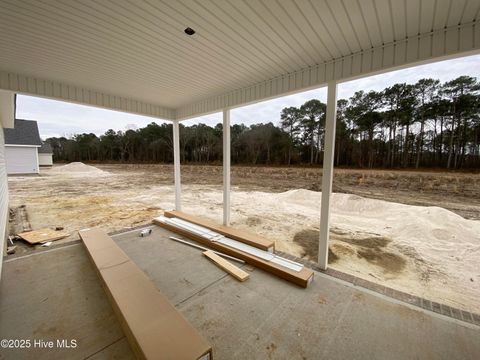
(42, 235)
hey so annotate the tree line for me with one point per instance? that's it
(426, 124)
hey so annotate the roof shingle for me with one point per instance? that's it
(45, 149)
(25, 132)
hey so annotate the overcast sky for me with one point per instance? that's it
(57, 118)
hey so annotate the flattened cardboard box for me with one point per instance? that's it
(154, 327)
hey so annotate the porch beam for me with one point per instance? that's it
(29, 85)
(226, 167)
(327, 174)
(176, 165)
(7, 109)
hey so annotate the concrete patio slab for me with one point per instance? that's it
(56, 294)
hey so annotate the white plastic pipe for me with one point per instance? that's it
(205, 249)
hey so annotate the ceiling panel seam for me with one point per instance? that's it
(226, 47)
(136, 42)
(405, 52)
(254, 24)
(87, 48)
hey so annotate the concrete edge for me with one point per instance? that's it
(36, 249)
(401, 296)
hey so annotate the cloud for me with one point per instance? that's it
(57, 118)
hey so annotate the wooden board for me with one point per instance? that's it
(301, 278)
(233, 270)
(235, 234)
(42, 235)
(154, 328)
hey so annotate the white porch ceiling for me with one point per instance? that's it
(133, 55)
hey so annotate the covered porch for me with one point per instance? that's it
(55, 294)
(141, 58)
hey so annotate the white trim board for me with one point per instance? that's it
(19, 145)
(29, 85)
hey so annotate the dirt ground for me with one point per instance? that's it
(455, 191)
(124, 196)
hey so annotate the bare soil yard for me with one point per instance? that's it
(430, 249)
(455, 191)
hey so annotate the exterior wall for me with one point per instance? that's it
(21, 159)
(45, 159)
(3, 199)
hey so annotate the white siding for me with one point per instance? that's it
(21, 159)
(45, 159)
(3, 199)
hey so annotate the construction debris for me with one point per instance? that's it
(236, 272)
(145, 232)
(18, 220)
(206, 249)
(228, 231)
(42, 235)
(23, 218)
(284, 268)
(11, 250)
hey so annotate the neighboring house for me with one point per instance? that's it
(45, 155)
(21, 147)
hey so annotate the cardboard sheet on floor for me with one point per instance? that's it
(153, 326)
(42, 235)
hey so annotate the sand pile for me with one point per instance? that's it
(427, 251)
(79, 168)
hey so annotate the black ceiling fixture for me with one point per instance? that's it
(189, 31)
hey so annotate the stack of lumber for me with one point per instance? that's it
(262, 258)
(228, 231)
(154, 328)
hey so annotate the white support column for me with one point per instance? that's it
(327, 174)
(176, 165)
(226, 167)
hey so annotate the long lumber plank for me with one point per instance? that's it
(301, 278)
(233, 270)
(153, 326)
(235, 234)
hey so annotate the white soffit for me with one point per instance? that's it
(133, 55)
